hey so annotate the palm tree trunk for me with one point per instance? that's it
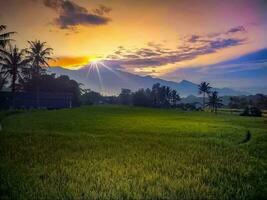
(37, 96)
(204, 101)
(37, 89)
(13, 90)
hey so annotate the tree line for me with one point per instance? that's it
(158, 96)
(25, 69)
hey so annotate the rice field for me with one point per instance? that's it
(117, 152)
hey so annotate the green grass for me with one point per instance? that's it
(112, 152)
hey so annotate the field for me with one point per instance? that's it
(112, 152)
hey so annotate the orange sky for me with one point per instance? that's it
(134, 24)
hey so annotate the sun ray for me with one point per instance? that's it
(89, 70)
(113, 71)
(99, 77)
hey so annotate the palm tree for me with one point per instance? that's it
(3, 80)
(204, 88)
(215, 101)
(4, 37)
(13, 62)
(39, 55)
(4, 40)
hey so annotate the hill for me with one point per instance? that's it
(111, 81)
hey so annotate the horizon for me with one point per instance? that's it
(221, 42)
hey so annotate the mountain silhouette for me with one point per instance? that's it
(110, 81)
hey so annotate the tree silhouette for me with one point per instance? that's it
(3, 80)
(204, 88)
(4, 40)
(13, 61)
(4, 37)
(215, 101)
(39, 55)
(125, 97)
(175, 97)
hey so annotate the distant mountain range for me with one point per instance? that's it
(110, 82)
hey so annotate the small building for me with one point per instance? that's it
(28, 100)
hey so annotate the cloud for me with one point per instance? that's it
(102, 10)
(189, 48)
(237, 29)
(71, 14)
(247, 70)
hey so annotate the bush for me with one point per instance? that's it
(252, 111)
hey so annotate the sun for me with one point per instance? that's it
(94, 59)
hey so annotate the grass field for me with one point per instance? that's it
(112, 152)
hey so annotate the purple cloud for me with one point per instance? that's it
(237, 29)
(192, 47)
(71, 14)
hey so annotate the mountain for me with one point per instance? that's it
(110, 81)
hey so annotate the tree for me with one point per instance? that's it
(215, 101)
(12, 62)
(90, 97)
(204, 88)
(49, 83)
(141, 97)
(252, 111)
(175, 97)
(4, 40)
(3, 80)
(4, 37)
(161, 96)
(125, 96)
(39, 55)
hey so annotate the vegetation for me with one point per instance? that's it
(12, 63)
(5, 37)
(242, 102)
(252, 111)
(214, 101)
(38, 55)
(156, 97)
(113, 152)
(204, 88)
(25, 71)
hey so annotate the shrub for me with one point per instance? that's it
(252, 111)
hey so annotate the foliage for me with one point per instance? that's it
(90, 97)
(113, 152)
(214, 101)
(158, 97)
(125, 97)
(204, 88)
(238, 102)
(13, 61)
(258, 100)
(39, 55)
(4, 40)
(52, 84)
(5, 37)
(252, 111)
(142, 97)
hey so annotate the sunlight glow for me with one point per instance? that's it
(95, 66)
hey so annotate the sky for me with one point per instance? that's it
(196, 40)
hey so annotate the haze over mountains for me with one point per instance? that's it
(110, 81)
